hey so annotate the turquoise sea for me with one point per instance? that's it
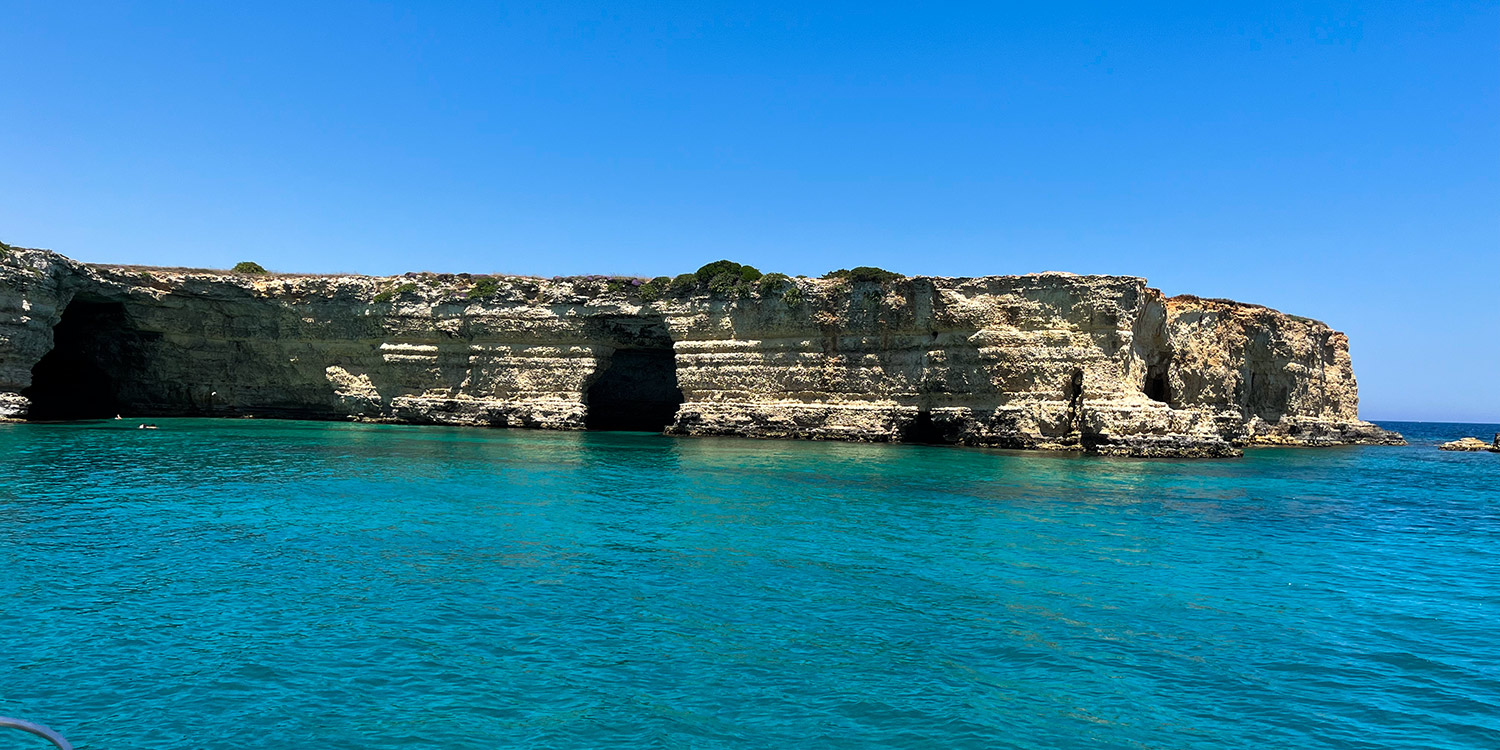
(259, 584)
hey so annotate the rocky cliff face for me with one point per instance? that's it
(1053, 361)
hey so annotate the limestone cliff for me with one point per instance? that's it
(1057, 361)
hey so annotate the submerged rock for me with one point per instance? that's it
(1054, 361)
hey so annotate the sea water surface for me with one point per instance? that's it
(250, 584)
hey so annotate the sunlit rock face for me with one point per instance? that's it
(1053, 361)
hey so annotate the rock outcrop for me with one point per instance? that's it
(1103, 364)
(1471, 444)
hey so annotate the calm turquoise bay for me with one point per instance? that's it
(258, 584)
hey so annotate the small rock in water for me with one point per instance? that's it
(1466, 444)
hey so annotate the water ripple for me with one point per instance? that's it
(230, 584)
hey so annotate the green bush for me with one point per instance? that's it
(249, 266)
(655, 288)
(485, 287)
(683, 282)
(771, 283)
(396, 291)
(793, 296)
(721, 267)
(723, 283)
(864, 274)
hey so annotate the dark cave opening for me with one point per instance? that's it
(924, 430)
(636, 392)
(1157, 387)
(81, 376)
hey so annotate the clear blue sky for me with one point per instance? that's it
(1340, 161)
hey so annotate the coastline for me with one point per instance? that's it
(1098, 364)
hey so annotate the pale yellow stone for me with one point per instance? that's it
(991, 360)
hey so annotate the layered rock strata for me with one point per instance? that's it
(1103, 364)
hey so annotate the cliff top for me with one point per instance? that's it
(833, 276)
(720, 276)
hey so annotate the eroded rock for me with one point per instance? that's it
(1466, 444)
(1052, 361)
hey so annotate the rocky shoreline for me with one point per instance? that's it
(1100, 364)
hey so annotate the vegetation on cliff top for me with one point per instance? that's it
(728, 278)
(727, 268)
(654, 289)
(864, 274)
(739, 280)
(483, 287)
(721, 277)
(389, 294)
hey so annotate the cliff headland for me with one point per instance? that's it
(1103, 364)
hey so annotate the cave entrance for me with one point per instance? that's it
(924, 430)
(1157, 387)
(80, 377)
(636, 392)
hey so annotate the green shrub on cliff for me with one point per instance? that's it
(654, 289)
(485, 286)
(723, 283)
(719, 277)
(722, 267)
(864, 274)
(727, 277)
(396, 291)
(771, 283)
(249, 266)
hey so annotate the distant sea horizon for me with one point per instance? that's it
(1434, 433)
